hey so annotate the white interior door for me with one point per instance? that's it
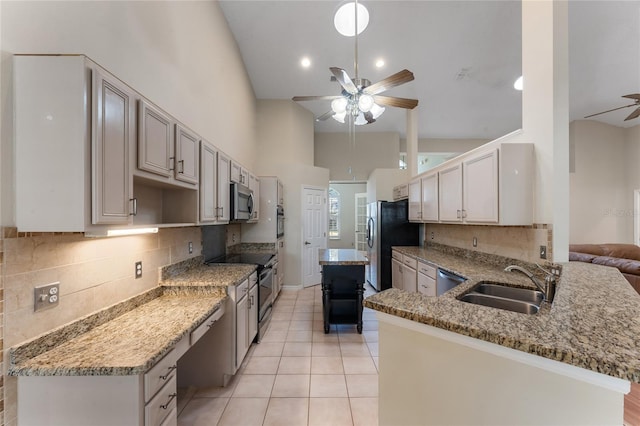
(361, 221)
(314, 233)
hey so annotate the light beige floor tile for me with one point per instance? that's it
(202, 411)
(291, 386)
(284, 308)
(326, 349)
(287, 412)
(287, 295)
(319, 336)
(317, 307)
(281, 316)
(327, 365)
(373, 348)
(351, 336)
(328, 386)
(362, 385)
(369, 325)
(279, 326)
(218, 391)
(302, 316)
(275, 335)
(299, 336)
(268, 349)
(254, 386)
(359, 365)
(297, 349)
(295, 365)
(318, 315)
(304, 307)
(370, 336)
(244, 412)
(364, 411)
(300, 325)
(262, 365)
(354, 349)
(329, 412)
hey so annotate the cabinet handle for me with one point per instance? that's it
(458, 214)
(166, 376)
(464, 213)
(166, 405)
(134, 205)
(211, 323)
(181, 162)
(173, 162)
(251, 303)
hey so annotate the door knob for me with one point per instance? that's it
(306, 243)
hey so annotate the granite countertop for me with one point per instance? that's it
(342, 257)
(593, 323)
(132, 336)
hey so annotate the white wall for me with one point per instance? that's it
(347, 214)
(180, 55)
(598, 189)
(371, 151)
(632, 141)
(381, 182)
(445, 145)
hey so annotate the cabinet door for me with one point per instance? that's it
(208, 182)
(242, 336)
(480, 186)
(113, 130)
(253, 315)
(430, 198)
(235, 172)
(396, 274)
(450, 194)
(186, 166)
(426, 285)
(223, 200)
(415, 204)
(155, 140)
(281, 257)
(409, 279)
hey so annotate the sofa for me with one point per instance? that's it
(625, 257)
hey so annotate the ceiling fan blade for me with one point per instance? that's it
(315, 98)
(633, 96)
(325, 116)
(604, 112)
(633, 115)
(396, 102)
(394, 80)
(344, 80)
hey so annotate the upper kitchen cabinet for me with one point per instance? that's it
(450, 197)
(429, 197)
(480, 183)
(415, 214)
(214, 185)
(187, 142)
(239, 174)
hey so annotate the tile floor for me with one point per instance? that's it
(298, 375)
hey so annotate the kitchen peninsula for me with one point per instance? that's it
(444, 361)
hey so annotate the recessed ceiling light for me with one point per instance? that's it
(305, 62)
(518, 85)
(380, 63)
(345, 22)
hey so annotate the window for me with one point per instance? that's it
(334, 214)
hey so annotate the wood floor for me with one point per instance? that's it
(632, 406)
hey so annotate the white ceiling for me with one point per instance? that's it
(465, 56)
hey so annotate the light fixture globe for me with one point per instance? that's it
(344, 19)
(365, 102)
(339, 105)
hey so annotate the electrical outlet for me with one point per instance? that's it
(190, 247)
(475, 242)
(556, 269)
(138, 269)
(432, 235)
(543, 252)
(46, 296)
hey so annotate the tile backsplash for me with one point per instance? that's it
(516, 242)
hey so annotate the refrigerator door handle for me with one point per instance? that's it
(369, 232)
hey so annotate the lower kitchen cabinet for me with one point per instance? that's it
(426, 279)
(409, 279)
(396, 274)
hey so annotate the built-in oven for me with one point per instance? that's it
(241, 202)
(280, 221)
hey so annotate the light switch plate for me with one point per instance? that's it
(46, 296)
(543, 252)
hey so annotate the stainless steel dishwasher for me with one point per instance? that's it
(446, 281)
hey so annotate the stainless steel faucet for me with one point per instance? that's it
(549, 287)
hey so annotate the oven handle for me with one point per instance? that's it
(265, 272)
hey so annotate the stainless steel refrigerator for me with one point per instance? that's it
(387, 226)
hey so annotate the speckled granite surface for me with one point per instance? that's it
(593, 323)
(130, 337)
(342, 257)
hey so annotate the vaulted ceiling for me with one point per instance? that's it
(465, 56)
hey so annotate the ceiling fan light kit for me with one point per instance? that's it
(345, 20)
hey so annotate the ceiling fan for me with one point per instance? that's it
(631, 116)
(360, 101)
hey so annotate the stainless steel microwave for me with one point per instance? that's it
(241, 202)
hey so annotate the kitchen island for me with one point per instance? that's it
(342, 286)
(444, 361)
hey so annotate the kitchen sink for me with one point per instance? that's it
(501, 296)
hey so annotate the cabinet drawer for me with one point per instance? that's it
(206, 325)
(159, 374)
(171, 419)
(242, 289)
(410, 261)
(427, 270)
(181, 347)
(162, 404)
(426, 285)
(253, 279)
(396, 255)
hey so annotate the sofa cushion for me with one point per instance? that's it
(595, 249)
(624, 251)
(581, 257)
(626, 266)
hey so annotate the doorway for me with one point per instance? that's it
(314, 232)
